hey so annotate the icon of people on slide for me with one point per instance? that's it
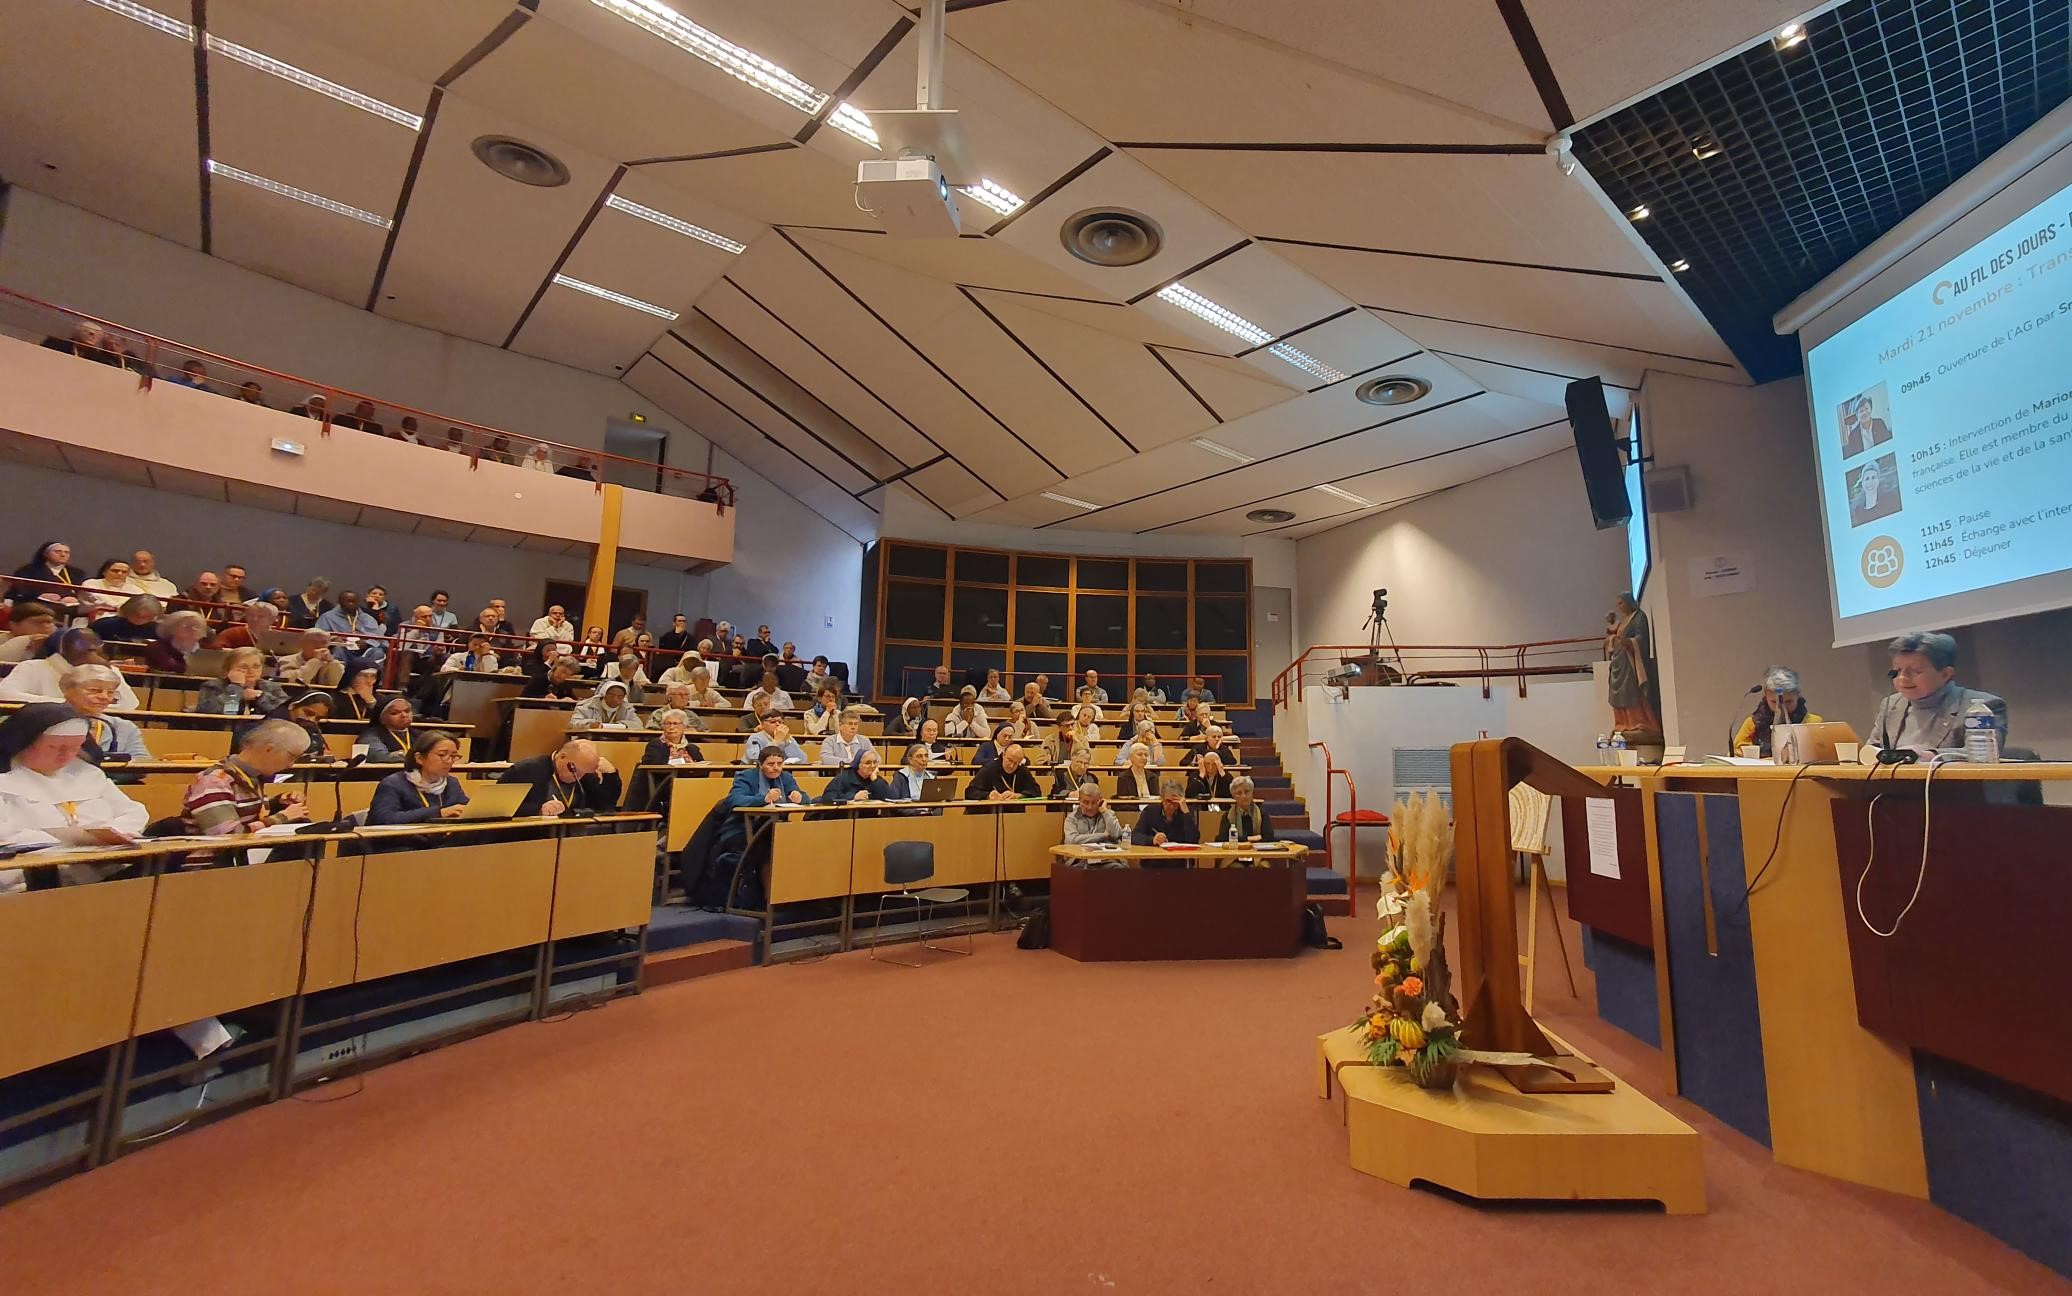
(1873, 490)
(1865, 422)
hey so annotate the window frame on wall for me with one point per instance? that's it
(890, 687)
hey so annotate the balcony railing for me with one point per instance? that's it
(156, 359)
(1354, 665)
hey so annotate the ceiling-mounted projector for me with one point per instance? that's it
(908, 195)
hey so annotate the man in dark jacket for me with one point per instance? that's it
(1170, 821)
(1007, 778)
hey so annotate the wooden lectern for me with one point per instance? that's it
(1494, 1017)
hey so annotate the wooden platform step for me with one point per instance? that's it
(701, 959)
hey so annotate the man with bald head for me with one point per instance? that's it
(574, 778)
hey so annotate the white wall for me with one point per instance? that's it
(792, 567)
(1509, 558)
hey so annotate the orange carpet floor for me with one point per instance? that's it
(1012, 1122)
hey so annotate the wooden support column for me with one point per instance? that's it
(604, 563)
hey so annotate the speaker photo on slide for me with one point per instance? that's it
(1597, 450)
(1866, 421)
(1874, 490)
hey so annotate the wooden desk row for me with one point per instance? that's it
(837, 853)
(99, 966)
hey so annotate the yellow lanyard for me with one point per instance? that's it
(71, 810)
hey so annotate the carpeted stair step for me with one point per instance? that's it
(1291, 806)
(684, 942)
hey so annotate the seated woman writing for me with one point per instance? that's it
(51, 795)
(859, 781)
(1779, 704)
(388, 739)
(425, 789)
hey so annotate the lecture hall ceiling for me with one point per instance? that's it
(1366, 185)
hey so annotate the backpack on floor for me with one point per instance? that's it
(1314, 933)
(1035, 930)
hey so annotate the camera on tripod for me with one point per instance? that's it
(1381, 604)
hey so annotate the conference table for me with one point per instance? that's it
(337, 950)
(1895, 1019)
(1149, 902)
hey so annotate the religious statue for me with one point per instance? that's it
(1629, 645)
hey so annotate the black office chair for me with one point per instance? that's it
(908, 862)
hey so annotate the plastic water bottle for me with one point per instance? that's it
(1604, 750)
(1618, 749)
(1981, 735)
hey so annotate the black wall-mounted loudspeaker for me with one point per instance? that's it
(1597, 450)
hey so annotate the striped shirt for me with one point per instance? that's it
(224, 799)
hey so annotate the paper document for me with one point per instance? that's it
(1602, 816)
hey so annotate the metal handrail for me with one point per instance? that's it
(1516, 659)
(1352, 827)
(559, 452)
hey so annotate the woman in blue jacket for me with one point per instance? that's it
(425, 789)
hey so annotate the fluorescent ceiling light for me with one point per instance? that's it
(149, 17)
(1704, 149)
(311, 81)
(1790, 34)
(610, 296)
(1679, 265)
(743, 64)
(1346, 495)
(299, 195)
(668, 222)
(1302, 360)
(1202, 308)
(1203, 443)
(1639, 213)
(1067, 499)
(995, 196)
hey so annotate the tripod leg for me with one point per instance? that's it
(1539, 866)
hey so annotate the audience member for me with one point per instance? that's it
(762, 645)
(584, 468)
(358, 699)
(354, 633)
(442, 610)
(1168, 821)
(312, 663)
(230, 796)
(539, 459)
(309, 711)
(135, 622)
(260, 617)
(388, 738)
(1093, 682)
(791, 672)
(818, 678)
(88, 341)
(407, 431)
(250, 392)
(180, 633)
(555, 625)
(590, 653)
(1089, 717)
(243, 690)
(994, 691)
(33, 622)
(191, 374)
(1007, 777)
(1208, 782)
(767, 782)
(90, 690)
(821, 717)
(628, 668)
(1198, 691)
(1214, 741)
(773, 734)
(1091, 822)
(361, 419)
(677, 698)
(1192, 718)
(145, 574)
(52, 564)
(677, 638)
(681, 673)
(558, 681)
(51, 795)
(702, 692)
(907, 723)
(40, 679)
(1037, 705)
(110, 587)
(421, 639)
(846, 743)
(1146, 737)
(1245, 815)
(384, 613)
(572, 777)
(930, 736)
(477, 656)
(1064, 736)
(859, 780)
(631, 634)
(771, 690)
(967, 719)
(1138, 781)
(606, 708)
(943, 687)
(1074, 774)
(1153, 694)
(305, 608)
(674, 747)
(916, 771)
(425, 788)
(315, 406)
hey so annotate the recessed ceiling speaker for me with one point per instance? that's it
(1269, 515)
(1396, 389)
(514, 159)
(1111, 237)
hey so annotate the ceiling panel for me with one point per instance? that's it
(1352, 343)
(438, 35)
(585, 332)
(262, 124)
(116, 72)
(552, 76)
(1146, 72)
(1192, 234)
(1623, 312)
(1628, 46)
(984, 262)
(1543, 387)
(1489, 206)
(474, 247)
(1561, 355)
(847, 396)
(1257, 285)
(1232, 388)
(1118, 377)
(273, 235)
(951, 488)
(1131, 322)
(817, 41)
(703, 352)
(1461, 53)
(796, 477)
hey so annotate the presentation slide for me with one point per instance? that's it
(1943, 420)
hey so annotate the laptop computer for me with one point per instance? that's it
(279, 643)
(497, 801)
(206, 662)
(1810, 744)
(938, 789)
